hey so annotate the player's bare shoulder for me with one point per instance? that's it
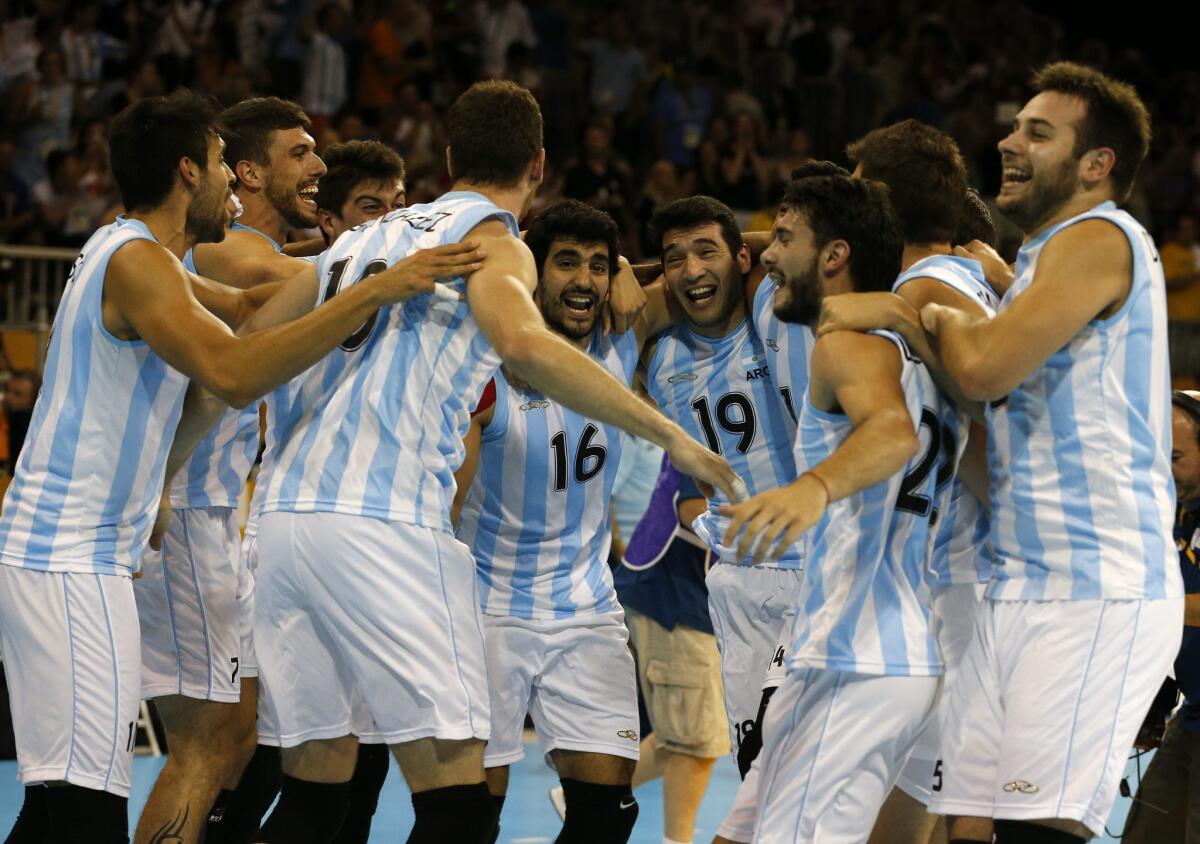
(138, 273)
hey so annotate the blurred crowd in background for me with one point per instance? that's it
(644, 101)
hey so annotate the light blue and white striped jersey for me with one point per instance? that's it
(1080, 453)
(88, 481)
(376, 428)
(788, 347)
(536, 516)
(720, 391)
(960, 548)
(864, 603)
(216, 473)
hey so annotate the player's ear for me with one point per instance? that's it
(1096, 165)
(248, 175)
(190, 172)
(538, 168)
(743, 259)
(326, 223)
(835, 257)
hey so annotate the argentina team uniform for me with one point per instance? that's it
(361, 483)
(537, 520)
(961, 561)
(75, 520)
(787, 347)
(196, 597)
(1083, 615)
(720, 391)
(862, 649)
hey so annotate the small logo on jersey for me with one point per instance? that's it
(682, 376)
(1020, 786)
(627, 734)
(632, 802)
(772, 345)
(536, 404)
(758, 372)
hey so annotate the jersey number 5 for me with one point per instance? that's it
(584, 453)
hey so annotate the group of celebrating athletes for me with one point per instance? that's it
(940, 492)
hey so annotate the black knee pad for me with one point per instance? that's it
(237, 815)
(33, 823)
(370, 772)
(459, 813)
(1023, 832)
(307, 813)
(597, 814)
(85, 814)
(751, 744)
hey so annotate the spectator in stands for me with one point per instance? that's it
(662, 186)
(182, 32)
(682, 109)
(16, 205)
(745, 172)
(20, 393)
(86, 48)
(66, 214)
(618, 67)
(498, 25)
(1180, 256)
(326, 81)
(44, 107)
(1167, 807)
(599, 178)
(398, 47)
(143, 81)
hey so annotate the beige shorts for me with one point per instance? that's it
(680, 676)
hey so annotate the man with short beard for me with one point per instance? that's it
(130, 331)
(537, 481)
(196, 597)
(876, 447)
(1083, 616)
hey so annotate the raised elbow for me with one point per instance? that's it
(980, 382)
(518, 350)
(231, 388)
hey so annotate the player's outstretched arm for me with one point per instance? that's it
(858, 374)
(1084, 272)
(499, 296)
(147, 294)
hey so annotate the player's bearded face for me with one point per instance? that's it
(291, 179)
(1040, 166)
(1047, 187)
(573, 287)
(799, 296)
(210, 210)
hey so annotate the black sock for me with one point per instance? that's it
(85, 814)
(370, 771)
(307, 813)
(498, 800)
(1023, 832)
(34, 821)
(597, 814)
(464, 814)
(242, 811)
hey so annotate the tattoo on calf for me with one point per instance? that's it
(172, 831)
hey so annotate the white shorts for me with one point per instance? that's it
(574, 676)
(748, 605)
(952, 613)
(833, 745)
(1048, 702)
(351, 606)
(738, 824)
(195, 602)
(71, 656)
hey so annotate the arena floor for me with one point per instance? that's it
(528, 816)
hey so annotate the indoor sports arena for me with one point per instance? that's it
(671, 422)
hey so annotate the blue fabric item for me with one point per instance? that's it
(662, 574)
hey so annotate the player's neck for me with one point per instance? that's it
(1079, 203)
(259, 214)
(168, 225)
(914, 252)
(723, 328)
(512, 199)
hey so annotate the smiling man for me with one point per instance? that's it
(538, 481)
(711, 373)
(1083, 615)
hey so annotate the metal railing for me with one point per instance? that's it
(31, 284)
